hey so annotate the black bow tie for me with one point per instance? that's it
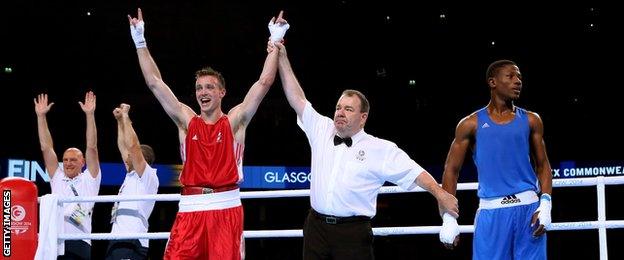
(338, 140)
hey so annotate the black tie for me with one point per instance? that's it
(338, 140)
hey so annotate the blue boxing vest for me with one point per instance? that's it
(502, 156)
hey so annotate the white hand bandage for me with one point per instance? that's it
(544, 210)
(278, 30)
(449, 230)
(137, 34)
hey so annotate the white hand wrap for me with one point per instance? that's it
(449, 229)
(544, 210)
(137, 34)
(278, 30)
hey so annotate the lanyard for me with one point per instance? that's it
(71, 185)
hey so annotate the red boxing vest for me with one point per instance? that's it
(213, 157)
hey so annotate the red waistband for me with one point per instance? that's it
(193, 190)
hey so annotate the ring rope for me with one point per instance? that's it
(601, 224)
(573, 182)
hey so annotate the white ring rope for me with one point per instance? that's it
(601, 224)
(385, 231)
(574, 182)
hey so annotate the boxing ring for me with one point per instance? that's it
(602, 224)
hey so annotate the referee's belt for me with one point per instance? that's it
(194, 190)
(329, 219)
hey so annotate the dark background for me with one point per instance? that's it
(569, 55)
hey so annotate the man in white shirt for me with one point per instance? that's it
(132, 216)
(349, 167)
(69, 180)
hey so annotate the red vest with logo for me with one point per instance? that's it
(212, 154)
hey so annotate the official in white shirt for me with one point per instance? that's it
(70, 179)
(349, 167)
(77, 216)
(141, 178)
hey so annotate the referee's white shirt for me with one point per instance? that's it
(346, 180)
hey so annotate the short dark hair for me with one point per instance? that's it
(365, 106)
(148, 153)
(493, 69)
(208, 71)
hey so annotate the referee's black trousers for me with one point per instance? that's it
(325, 237)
